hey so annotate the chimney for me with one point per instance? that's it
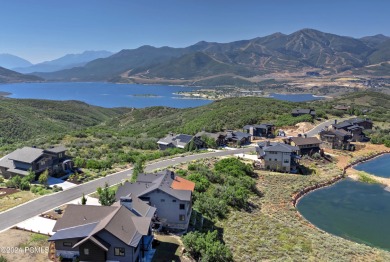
(127, 202)
(251, 130)
(305, 135)
(335, 121)
(172, 175)
(267, 143)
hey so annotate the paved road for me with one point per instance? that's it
(35, 207)
(319, 127)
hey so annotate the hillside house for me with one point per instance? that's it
(218, 138)
(104, 233)
(171, 195)
(178, 141)
(303, 111)
(237, 138)
(278, 156)
(38, 160)
(262, 130)
(336, 139)
(306, 145)
(355, 127)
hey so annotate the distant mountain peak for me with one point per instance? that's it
(12, 61)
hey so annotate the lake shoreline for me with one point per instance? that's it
(303, 192)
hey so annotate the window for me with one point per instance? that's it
(182, 217)
(67, 244)
(162, 200)
(174, 200)
(119, 251)
(270, 159)
(286, 161)
(276, 159)
(60, 155)
(182, 206)
(86, 251)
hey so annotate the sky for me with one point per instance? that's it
(41, 30)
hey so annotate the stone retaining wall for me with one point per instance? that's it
(295, 198)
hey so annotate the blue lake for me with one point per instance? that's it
(106, 94)
(378, 166)
(351, 209)
(119, 95)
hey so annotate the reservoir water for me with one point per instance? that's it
(351, 209)
(106, 94)
(379, 166)
(119, 95)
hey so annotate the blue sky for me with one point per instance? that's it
(40, 30)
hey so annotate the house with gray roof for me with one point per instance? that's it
(336, 139)
(18, 162)
(303, 111)
(278, 156)
(218, 138)
(178, 141)
(262, 130)
(238, 138)
(103, 233)
(168, 193)
(355, 126)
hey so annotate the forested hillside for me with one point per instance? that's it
(24, 119)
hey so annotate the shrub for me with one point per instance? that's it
(207, 247)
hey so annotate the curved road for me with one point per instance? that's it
(40, 205)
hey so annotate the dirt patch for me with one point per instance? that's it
(23, 246)
(7, 191)
(15, 199)
(299, 128)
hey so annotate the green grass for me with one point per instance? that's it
(167, 250)
(367, 178)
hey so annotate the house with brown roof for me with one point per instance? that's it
(306, 145)
(104, 233)
(21, 160)
(170, 194)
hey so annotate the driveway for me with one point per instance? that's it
(40, 205)
(52, 181)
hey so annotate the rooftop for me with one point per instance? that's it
(165, 181)
(300, 141)
(83, 221)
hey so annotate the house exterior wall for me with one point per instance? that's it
(22, 165)
(59, 244)
(130, 255)
(278, 161)
(168, 207)
(95, 253)
(164, 147)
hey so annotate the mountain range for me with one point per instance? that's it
(11, 61)
(65, 62)
(9, 76)
(302, 51)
